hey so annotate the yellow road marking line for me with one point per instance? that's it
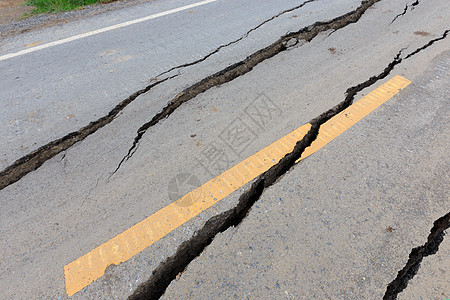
(354, 113)
(91, 266)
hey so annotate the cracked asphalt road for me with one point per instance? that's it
(340, 224)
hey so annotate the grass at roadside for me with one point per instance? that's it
(46, 6)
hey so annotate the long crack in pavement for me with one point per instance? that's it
(242, 67)
(167, 271)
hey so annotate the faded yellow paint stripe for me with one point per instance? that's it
(354, 113)
(91, 266)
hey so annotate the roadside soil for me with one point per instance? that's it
(12, 10)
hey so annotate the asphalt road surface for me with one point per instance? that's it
(153, 151)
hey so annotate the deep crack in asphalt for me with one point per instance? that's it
(167, 271)
(416, 256)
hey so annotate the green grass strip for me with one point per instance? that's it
(47, 6)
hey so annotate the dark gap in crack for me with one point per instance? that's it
(242, 67)
(416, 256)
(413, 5)
(167, 271)
(399, 15)
(428, 44)
(36, 158)
(331, 33)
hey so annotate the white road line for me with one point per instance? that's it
(90, 33)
